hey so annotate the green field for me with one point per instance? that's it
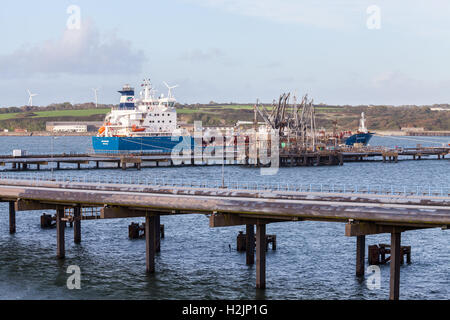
(91, 112)
(347, 117)
(55, 113)
(70, 113)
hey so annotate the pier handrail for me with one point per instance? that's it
(341, 188)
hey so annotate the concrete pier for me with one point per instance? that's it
(365, 215)
(12, 218)
(250, 244)
(394, 290)
(77, 224)
(60, 233)
(360, 255)
(261, 256)
(286, 158)
(150, 243)
(157, 233)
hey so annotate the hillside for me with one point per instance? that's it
(378, 117)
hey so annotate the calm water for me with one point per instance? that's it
(313, 260)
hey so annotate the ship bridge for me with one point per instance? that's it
(127, 101)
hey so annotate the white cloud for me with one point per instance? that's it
(83, 51)
(202, 55)
(413, 15)
(327, 14)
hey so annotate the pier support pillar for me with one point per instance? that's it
(60, 226)
(394, 291)
(261, 256)
(360, 255)
(12, 218)
(158, 233)
(78, 166)
(150, 243)
(250, 244)
(77, 224)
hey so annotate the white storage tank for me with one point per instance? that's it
(19, 153)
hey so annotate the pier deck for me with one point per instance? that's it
(363, 213)
(286, 158)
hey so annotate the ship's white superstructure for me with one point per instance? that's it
(149, 115)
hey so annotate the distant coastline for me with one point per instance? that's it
(45, 134)
(377, 132)
(412, 133)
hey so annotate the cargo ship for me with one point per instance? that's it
(148, 124)
(362, 136)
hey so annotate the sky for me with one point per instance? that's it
(338, 51)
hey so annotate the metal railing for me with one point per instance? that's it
(443, 191)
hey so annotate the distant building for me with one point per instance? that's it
(410, 129)
(70, 128)
(20, 130)
(186, 126)
(75, 126)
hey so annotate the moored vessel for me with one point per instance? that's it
(147, 124)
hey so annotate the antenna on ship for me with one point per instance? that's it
(362, 124)
(148, 91)
(170, 89)
(96, 97)
(30, 100)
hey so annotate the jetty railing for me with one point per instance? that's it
(341, 188)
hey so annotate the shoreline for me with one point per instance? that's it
(412, 133)
(93, 133)
(45, 134)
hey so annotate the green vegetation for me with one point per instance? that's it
(347, 117)
(35, 118)
(70, 113)
(56, 113)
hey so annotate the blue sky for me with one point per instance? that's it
(227, 50)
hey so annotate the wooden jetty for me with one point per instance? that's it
(393, 154)
(286, 158)
(362, 213)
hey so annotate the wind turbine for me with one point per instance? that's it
(30, 100)
(170, 89)
(96, 97)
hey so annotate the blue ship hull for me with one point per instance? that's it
(363, 138)
(154, 144)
